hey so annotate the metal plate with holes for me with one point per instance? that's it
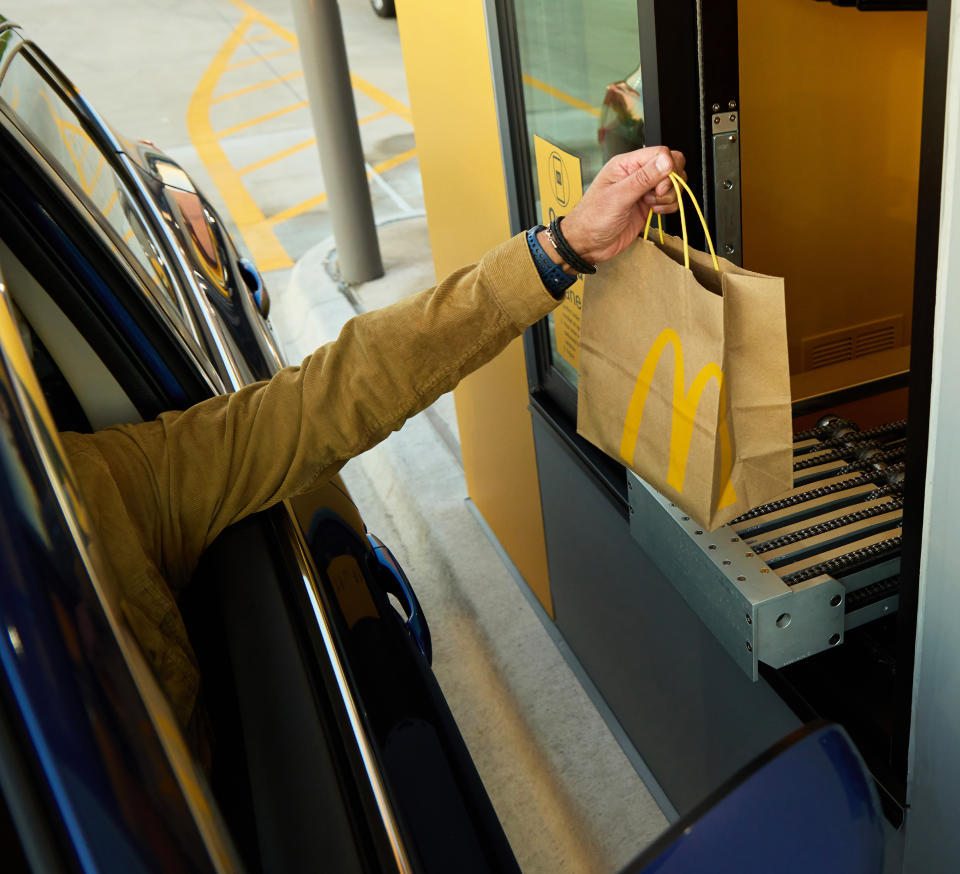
(726, 197)
(724, 122)
(749, 609)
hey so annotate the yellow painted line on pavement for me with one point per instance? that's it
(260, 37)
(569, 99)
(382, 114)
(101, 163)
(310, 203)
(249, 62)
(390, 163)
(256, 229)
(243, 125)
(259, 236)
(299, 147)
(362, 85)
(297, 209)
(303, 104)
(256, 15)
(277, 156)
(258, 86)
(381, 97)
(65, 126)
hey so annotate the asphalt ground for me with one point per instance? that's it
(218, 85)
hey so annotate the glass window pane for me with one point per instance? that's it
(580, 63)
(582, 91)
(56, 129)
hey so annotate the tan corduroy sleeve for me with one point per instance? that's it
(188, 475)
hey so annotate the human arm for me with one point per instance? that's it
(188, 475)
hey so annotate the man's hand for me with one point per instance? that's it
(614, 208)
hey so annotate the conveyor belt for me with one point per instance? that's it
(872, 594)
(846, 510)
(790, 578)
(819, 561)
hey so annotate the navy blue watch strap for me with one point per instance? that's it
(552, 275)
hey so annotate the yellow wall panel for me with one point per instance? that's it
(447, 63)
(830, 146)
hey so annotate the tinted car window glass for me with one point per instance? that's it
(55, 127)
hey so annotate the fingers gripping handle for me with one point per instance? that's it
(679, 181)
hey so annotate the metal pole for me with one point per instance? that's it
(327, 74)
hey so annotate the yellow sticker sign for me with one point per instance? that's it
(561, 187)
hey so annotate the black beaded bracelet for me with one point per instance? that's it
(565, 250)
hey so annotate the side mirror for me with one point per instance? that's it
(254, 282)
(807, 804)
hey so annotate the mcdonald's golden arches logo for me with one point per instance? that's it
(685, 403)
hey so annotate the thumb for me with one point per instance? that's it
(647, 177)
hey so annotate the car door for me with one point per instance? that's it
(334, 740)
(93, 773)
(108, 351)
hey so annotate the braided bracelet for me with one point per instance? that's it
(566, 251)
(553, 242)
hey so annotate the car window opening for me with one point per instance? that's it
(82, 393)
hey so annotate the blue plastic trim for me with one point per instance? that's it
(807, 805)
(253, 281)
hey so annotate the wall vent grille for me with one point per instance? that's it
(851, 342)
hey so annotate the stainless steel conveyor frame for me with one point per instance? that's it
(753, 613)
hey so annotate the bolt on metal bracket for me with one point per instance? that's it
(753, 614)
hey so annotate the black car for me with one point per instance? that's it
(123, 296)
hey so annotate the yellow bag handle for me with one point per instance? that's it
(677, 181)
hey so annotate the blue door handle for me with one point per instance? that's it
(395, 582)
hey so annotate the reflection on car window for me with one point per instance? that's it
(55, 128)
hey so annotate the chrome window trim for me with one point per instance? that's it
(210, 376)
(364, 745)
(109, 147)
(212, 328)
(9, 25)
(190, 781)
(265, 339)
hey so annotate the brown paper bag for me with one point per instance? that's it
(684, 378)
